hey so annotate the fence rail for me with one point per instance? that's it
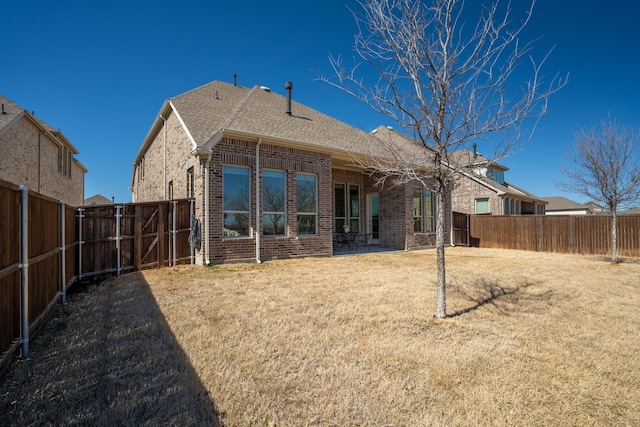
(579, 234)
(46, 246)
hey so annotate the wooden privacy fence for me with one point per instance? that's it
(134, 236)
(460, 229)
(579, 234)
(46, 246)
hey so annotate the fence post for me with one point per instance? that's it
(173, 231)
(118, 240)
(80, 241)
(63, 261)
(24, 271)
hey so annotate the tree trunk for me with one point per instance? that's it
(441, 311)
(614, 237)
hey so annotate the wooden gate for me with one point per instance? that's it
(134, 236)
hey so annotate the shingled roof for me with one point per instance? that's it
(219, 109)
(11, 112)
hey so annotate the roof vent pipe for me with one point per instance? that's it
(3, 112)
(288, 86)
(475, 150)
(235, 77)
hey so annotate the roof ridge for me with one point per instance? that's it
(213, 82)
(238, 107)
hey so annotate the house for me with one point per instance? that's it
(558, 205)
(96, 200)
(595, 208)
(36, 155)
(630, 211)
(271, 177)
(481, 188)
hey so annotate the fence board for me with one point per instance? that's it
(93, 244)
(588, 234)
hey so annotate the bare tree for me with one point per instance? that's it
(446, 84)
(605, 167)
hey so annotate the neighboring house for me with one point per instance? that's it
(630, 211)
(272, 178)
(35, 155)
(559, 205)
(481, 188)
(97, 200)
(595, 208)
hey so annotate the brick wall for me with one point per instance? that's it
(396, 221)
(242, 153)
(467, 191)
(30, 158)
(152, 179)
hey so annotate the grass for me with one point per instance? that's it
(533, 339)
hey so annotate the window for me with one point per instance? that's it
(190, 183)
(236, 201)
(429, 212)
(354, 208)
(417, 209)
(346, 213)
(306, 203)
(482, 206)
(69, 164)
(65, 157)
(273, 203)
(340, 206)
(141, 170)
(497, 176)
(424, 219)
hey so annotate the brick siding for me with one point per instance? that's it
(30, 158)
(467, 191)
(396, 204)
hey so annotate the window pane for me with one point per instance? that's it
(273, 191)
(236, 201)
(190, 183)
(236, 225)
(306, 203)
(273, 202)
(306, 224)
(306, 193)
(340, 206)
(430, 212)
(482, 206)
(417, 209)
(354, 198)
(236, 188)
(273, 224)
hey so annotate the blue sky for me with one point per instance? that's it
(99, 71)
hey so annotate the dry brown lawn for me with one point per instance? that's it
(533, 339)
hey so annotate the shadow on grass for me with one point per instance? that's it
(106, 358)
(485, 292)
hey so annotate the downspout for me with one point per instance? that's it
(39, 161)
(451, 225)
(258, 260)
(164, 157)
(207, 200)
